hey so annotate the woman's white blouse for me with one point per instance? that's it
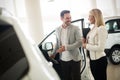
(96, 42)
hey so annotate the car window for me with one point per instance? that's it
(112, 26)
(119, 24)
(13, 62)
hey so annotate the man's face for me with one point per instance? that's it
(66, 19)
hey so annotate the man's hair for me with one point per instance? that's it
(64, 12)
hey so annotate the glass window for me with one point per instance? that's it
(12, 57)
(118, 24)
(111, 25)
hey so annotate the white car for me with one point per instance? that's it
(112, 48)
(20, 57)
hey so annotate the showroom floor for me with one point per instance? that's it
(113, 72)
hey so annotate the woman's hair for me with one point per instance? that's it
(98, 17)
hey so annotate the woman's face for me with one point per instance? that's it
(91, 19)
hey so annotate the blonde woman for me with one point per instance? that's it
(95, 44)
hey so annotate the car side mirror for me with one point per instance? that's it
(48, 46)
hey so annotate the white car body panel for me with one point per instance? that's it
(39, 68)
(113, 38)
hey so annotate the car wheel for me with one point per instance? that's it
(115, 55)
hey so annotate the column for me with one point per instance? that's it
(34, 19)
(114, 8)
(93, 4)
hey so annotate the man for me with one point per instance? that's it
(68, 43)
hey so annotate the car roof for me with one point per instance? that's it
(111, 17)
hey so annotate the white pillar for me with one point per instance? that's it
(93, 4)
(34, 19)
(114, 7)
(118, 7)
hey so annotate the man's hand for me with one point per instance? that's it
(52, 56)
(61, 49)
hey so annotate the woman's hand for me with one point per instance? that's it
(84, 45)
(83, 40)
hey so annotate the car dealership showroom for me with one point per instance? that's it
(28, 39)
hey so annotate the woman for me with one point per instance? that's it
(95, 44)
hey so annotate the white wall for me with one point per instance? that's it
(109, 7)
